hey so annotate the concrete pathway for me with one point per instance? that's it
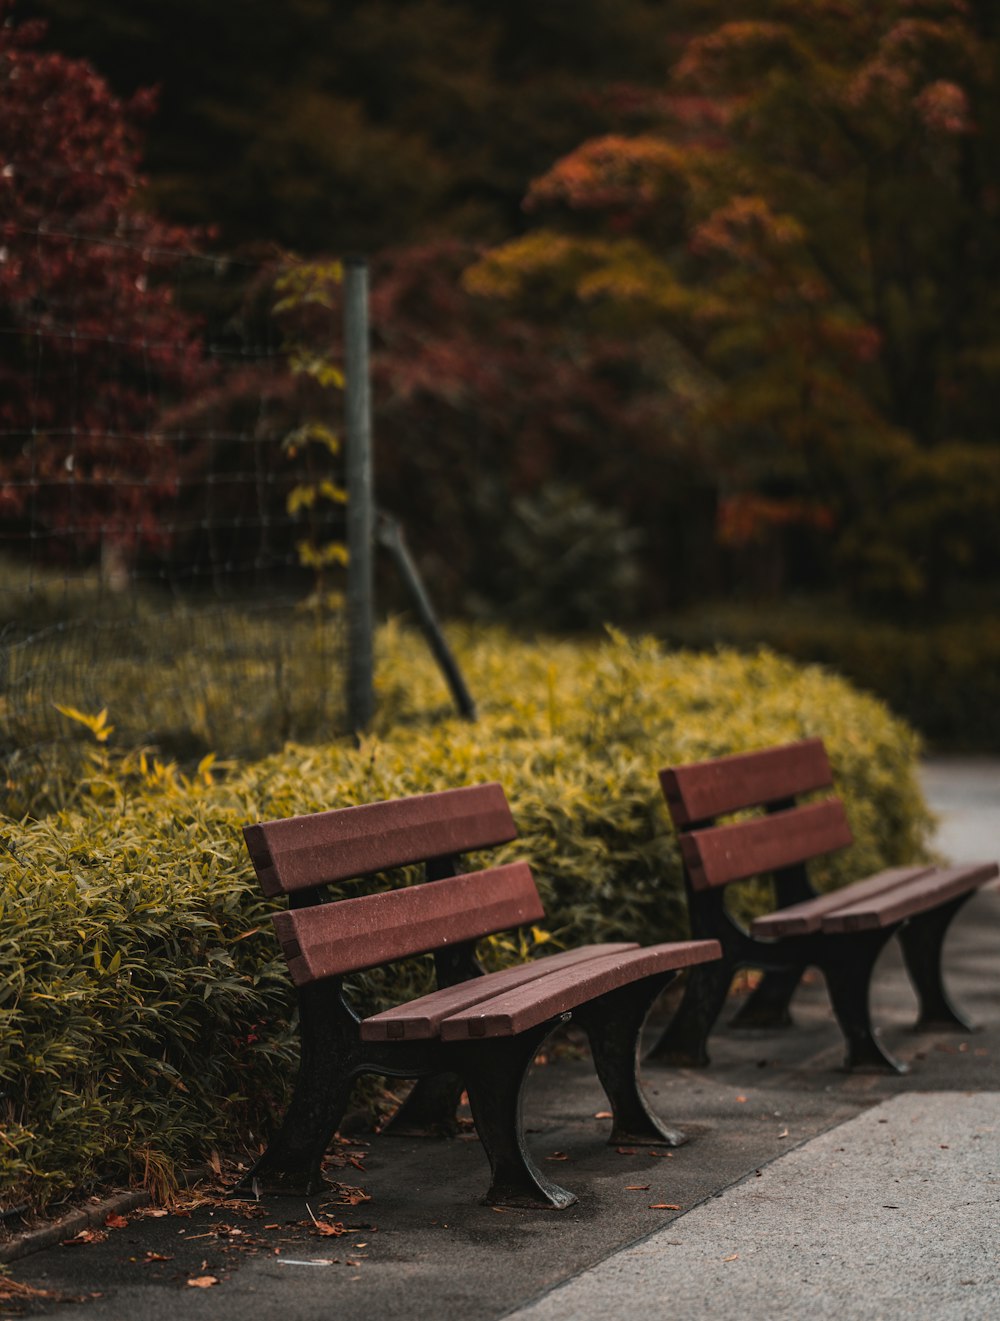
(965, 793)
(893, 1214)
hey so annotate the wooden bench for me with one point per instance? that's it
(842, 932)
(478, 1032)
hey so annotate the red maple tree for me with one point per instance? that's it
(93, 344)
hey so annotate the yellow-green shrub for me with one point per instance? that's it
(144, 1006)
(942, 675)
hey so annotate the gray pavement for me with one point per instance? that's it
(900, 1223)
(892, 1214)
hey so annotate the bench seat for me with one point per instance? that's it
(503, 1004)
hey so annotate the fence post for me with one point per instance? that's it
(360, 498)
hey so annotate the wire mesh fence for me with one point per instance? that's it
(171, 502)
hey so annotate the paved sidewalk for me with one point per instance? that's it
(892, 1215)
(820, 1228)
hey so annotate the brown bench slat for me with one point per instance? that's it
(352, 934)
(801, 919)
(916, 896)
(720, 854)
(301, 852)
(707, 789)
(524, 1007)
(420, 1020)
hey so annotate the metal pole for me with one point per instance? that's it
(360, 497)
(390, 535)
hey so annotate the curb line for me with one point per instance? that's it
(35, 1240)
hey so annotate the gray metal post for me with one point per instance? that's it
(360, 498)
(390, 535)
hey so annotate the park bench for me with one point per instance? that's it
(841, 932)
(479, 1031)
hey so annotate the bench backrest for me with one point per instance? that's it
(787, 836)
(298, 855)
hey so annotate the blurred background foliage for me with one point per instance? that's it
(724, 276)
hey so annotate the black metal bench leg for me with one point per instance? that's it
(767, 1004)
(613, 1025)
(922, 939)
(494, 1071)
(685, 1040)
(429, 1110)
(847, 965)
(328, 1063)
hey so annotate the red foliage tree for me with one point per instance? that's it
(92, 341)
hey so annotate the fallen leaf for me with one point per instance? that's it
(603, 1114)
(156, 1213)
(327, 1230)
(158, 1256)
(349, 1262)
(783, 1133)
(661, 1154)
(114, 1221)
(625, 1151)
(274, 1226)
(85, 1236)
(741, 1100)
(202, 1281)
(557, 1155)
(734, 1257)
(215, 1162)
(637, 1187)
(500, 1210)
(11, 1289)
(664, 1206)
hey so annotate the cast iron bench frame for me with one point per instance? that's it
(842, 932)
(480, 1031)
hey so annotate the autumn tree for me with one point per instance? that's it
(93, 343)
(810, 210)
(331, 126)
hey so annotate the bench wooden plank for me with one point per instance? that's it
(330, 939)
(720, 854)
(526, 1006)
(302, 852)
(801, 919)
(707, 789)
(917, 896)
(420, 1020)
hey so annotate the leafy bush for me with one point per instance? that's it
(145, 1014)
(187, 680)
(943, 677)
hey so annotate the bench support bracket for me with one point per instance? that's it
(494, 1071)
(613, 1024)
(922, 939)
(847, 964)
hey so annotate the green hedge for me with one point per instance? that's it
(144, 1008)
(942, 676)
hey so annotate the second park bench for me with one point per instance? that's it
(479, 1031)
(841, 932)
